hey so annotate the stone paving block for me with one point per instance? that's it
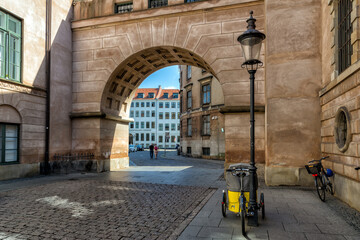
(214, 232)
(282, 235)
(191, 231)
(337, 229)
(316, 236)
(203, 221)
(303, 218)
(285, 218)
(354, 237)
(301, 227)
(251, 233)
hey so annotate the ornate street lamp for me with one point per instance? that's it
(251, 41)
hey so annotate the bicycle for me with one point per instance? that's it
(322, 182)
(239, 203)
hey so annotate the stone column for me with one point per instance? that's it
(293, 81)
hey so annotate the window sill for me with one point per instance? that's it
(8, 163)
(340, 78)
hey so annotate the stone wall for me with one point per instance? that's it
(293, 80)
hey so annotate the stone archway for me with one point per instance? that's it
(111, 58)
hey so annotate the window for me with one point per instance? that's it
(160, 138)
(123, 7)
(178, 127)
(137, 104)
(188, 150)
(132, 104)
(10, 47)
(166, 127)
(137, 137)
(181, 103)
(167, 115)
(178, 104)
(152, 113)
(173, 105)
(189, 122)
(131, 113)
(178, 139)
(147, 137)
(137, 114)
(153, 137)
(151, 95)
(342, 129)
(161, 104)
(166, 95)
(189, 99)
(142, 114)
(188, 71)
(157, 3)
(137, 125)
(152, 125)
(178, 115)
(344, 34)
(173, 139)
(175, 95)
(147, 104)
(142, 137)
(167, 105)
(9, 143)
(140, 95)
(206, 94)
(142, 104)
(161, 127)
(142, 124)
(152, 104)
(161, 115)
(131, 125)
(173, 115)
(147, 113)
(206, 125)
(173, 127)
(206, 151)
(147, 124)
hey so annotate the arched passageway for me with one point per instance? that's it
(112, 58)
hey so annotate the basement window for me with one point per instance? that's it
(123, 7)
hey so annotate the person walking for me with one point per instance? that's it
(151, 147)
(156, 150)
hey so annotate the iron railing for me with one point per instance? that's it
(124, 7)
(344, 34)
(157, 3)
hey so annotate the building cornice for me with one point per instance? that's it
(240, 109)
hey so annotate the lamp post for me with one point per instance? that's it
(250, 42)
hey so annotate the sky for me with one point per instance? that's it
(167, 77)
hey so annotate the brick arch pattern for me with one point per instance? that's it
(129, 75)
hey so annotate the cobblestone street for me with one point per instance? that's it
(96, 209)
(166, 198)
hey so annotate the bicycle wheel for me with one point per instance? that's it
(329, 186)
(320, 188)
(243, 209)
(262, 205)
(223, 205)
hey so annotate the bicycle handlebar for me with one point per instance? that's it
(237, 169)
(319, 159)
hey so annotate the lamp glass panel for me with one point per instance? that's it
(251, 47)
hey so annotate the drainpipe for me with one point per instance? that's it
(46, 169)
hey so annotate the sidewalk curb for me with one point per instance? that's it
(177, 232)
